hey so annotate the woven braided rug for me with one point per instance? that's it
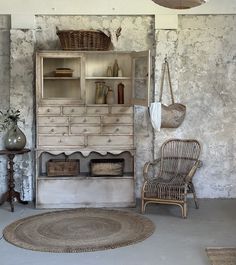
(222, 256)
(79, 230)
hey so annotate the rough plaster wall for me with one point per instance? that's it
(22, 97)
(137, 34)
(202, 61)
(4, 86)
(204, 80)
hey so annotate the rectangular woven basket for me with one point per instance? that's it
(106, 167)
(60, 167)
(90, 40)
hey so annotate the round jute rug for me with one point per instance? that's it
(79, 230)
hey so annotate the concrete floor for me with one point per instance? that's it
(176, 241)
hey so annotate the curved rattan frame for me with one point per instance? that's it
(172, 180)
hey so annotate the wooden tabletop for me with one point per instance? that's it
(14, 152)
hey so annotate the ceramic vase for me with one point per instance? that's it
(15, 139)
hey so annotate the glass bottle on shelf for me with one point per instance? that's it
(120, 73)
(115, 68)
(109, 71)
(101, 91)
(110, 96)
(121, 93)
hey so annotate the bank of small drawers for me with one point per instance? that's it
(85, 126)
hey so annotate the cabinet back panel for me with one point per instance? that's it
(62, 89)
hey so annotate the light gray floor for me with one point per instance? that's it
(176, 241)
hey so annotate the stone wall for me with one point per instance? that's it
(5, 25)
(203, 65)
(202, 57)
(137, 34)
(22, 97)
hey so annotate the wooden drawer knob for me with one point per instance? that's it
(85, 120)
(72, 110)
(109, 140)
(48, 110)
(117, 120)
(117, 129)
(52, 130)
(85, 130)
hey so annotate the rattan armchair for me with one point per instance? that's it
(168, 180)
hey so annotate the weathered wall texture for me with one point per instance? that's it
(202, 57)
(5, 25)
(137, 34)
(22, 97)
(203, 70)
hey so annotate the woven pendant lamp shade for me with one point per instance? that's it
(180, 4)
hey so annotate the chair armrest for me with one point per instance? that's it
(194, 168)
(147, 174)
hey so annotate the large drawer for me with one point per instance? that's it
(117, 129)
(61, 140)
(85, 119)
(53, 130)
(46, 120)
(107, 140)
(85, 129)
(118, 119)
(97, 110)
(50, 110)
(73, 110)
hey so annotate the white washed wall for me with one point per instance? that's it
(202, 56)
(137, 34)
(4, 86)
(203, 65)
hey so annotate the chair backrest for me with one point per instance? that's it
(178, 156)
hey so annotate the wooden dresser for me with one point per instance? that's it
(70, 125)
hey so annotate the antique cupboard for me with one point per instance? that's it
(70, 125)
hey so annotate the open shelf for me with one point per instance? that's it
(60, 78)
(84, 175)
(108, 78)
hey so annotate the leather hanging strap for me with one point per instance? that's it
(166, 67)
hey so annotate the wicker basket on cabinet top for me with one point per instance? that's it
(87, 40)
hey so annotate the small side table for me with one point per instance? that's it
(11, 193)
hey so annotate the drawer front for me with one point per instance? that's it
(49, 110)
(53, 130)
(85, 129)
(85, 120)
(116, 129)
(97, 110)
(52, 120)
(110, 140)
(120, 110)
(61, 141)
(73, 110)
(127, 119)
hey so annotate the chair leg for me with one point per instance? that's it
(194, 196)
(185, 210)
(142, 206)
